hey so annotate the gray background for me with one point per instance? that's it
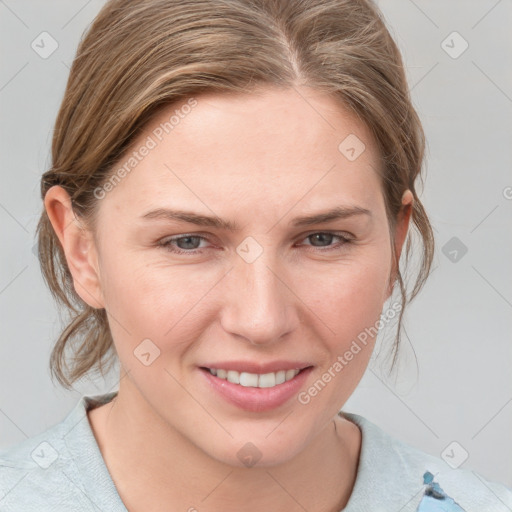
(459, 387)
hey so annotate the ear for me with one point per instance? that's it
(400, 234)
(78, 245)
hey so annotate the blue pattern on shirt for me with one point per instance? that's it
(435, 499)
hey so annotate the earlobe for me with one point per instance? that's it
(78, 245)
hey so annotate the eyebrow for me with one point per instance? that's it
(339, 212)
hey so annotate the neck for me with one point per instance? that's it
(151, 463)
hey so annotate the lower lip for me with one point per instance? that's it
(257, 399)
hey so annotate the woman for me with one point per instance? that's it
(232, 185)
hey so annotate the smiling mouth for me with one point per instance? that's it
(255, 380)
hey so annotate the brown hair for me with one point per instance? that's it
(141, 55)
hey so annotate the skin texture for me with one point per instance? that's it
(260, 160)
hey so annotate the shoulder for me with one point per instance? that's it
(37, 474)
(413, 480)
(41, 473)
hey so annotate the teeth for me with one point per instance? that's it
(233, 377)
(248, 379)
(280, 377)
(289, 374)
(255, 380)
(267, 380)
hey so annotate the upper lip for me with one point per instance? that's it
(254, 367)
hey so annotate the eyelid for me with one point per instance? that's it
(344, 234)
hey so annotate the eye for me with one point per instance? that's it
(188, 241)
(326, 237)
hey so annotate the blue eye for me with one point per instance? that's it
(191, 242)
(168, 244)
(330, 236)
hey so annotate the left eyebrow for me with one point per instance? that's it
(339, 212)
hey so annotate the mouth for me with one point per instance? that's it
(257, 390)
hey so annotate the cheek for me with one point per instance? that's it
(349, 302)
(158, 302)
(347, 296)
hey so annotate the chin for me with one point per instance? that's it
(255, 448)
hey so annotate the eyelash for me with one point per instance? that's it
(167, 244)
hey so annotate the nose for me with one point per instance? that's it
(258, 304)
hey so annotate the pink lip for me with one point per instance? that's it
(256, 399)
(253, 367)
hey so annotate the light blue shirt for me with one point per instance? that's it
(62, 470)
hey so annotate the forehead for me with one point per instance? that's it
(291, 117)
(273, 146)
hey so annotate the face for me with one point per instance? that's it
(243, 282)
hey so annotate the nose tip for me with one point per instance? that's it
(257, 306)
